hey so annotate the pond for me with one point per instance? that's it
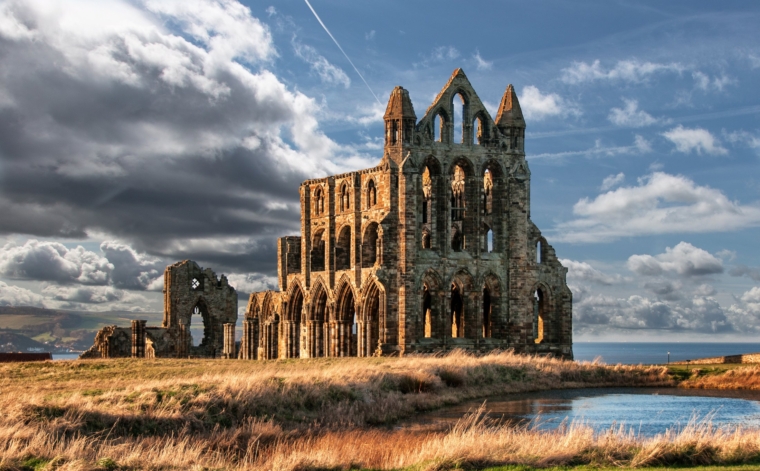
(646, 411)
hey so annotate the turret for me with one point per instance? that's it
(510, 121)
(399, 120)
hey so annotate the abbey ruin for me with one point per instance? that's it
(433, 249)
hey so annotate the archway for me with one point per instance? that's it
(540, 323)
(343, 249)
(369, 328)
(369, 246)
(457, 311)
(342, 339)
(292, 324)
(316, 322)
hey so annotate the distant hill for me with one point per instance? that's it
(59, 330)
(13, 342)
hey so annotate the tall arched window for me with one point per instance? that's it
(539, 253)
(371, 194)
(487, 192)
(487, 242)
(427, 309)
(486, 312)
(479, 130)
(457, 194)
(539, 322)
(319, 201)
(459, 110)
(345, 198)
(438, 123)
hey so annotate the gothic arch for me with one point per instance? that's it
(252, 310)
(371, 318)
(341, 338)
(370, 239)
(544, 322)
(490, 305)
(343, 248)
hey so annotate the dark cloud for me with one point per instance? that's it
(165, 142)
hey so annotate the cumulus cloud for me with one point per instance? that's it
(537, 106)
(90, 294)
(53, 261)
(698, 314)
(698, 140)
(684, 259)
(746, 311)
(131, 270)
(632, 70)
(17, 296)
(612, 181)
(252, 283)
(584, 272)
(157, 123)
(660, 204)
(327, 72)
(630, 115)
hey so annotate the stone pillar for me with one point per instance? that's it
(229, 341)
(138, 338)
(249, 345)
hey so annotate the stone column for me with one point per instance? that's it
(138, 338)
(229, 341)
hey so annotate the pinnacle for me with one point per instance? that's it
(509, 113)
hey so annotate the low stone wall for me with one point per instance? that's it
(14, 357)
(745, 358)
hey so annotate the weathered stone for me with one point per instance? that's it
(190, 292)
(431, 250)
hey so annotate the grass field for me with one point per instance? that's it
(326, 414)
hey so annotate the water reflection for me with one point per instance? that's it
(646, 411)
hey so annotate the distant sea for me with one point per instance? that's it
(633, 353)
(627, 353)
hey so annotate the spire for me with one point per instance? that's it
(510, 114)
(399, 105)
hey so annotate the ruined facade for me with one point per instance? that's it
(431, 250)
(191, 294)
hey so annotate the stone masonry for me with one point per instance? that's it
(433, 249)
(191, 294)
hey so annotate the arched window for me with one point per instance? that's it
(318, 251)
(371, 194)
(319, 201)
(427, 308)
(457, 312)
(479, 131)
(487, 243)
(343, 249)
(437, 128)
(539, 322)
(457, 194)
(457, 241)
(427, 192)
(345, 198)
(539, 252)
(486, 312)
(487, 192)
(369, 246)
(459, 110)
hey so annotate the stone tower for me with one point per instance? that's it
(432, 249)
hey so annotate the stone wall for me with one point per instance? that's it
(731, 359)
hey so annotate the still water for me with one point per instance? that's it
(647, 411)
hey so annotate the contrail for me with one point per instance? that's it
(344, 52)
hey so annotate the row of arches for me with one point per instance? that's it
(343, 198)
(464, 193)
(346, 326)
(370, 252)
(455, 122)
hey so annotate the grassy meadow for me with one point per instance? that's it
(330, 414)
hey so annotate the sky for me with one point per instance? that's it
(134, 134)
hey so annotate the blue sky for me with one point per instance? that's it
(134, 134)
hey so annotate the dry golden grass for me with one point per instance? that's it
(316, 414)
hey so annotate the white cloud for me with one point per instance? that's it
(743, 138)
(537, 106)
(583, 271)
(746, 311)
(612, 181)
(90, 294)
(439, 54)
(252, 283)
(370, 36)
(52, 261)
(131, 270)
(684, 259)
(628, 71)
(703, 82)
(660, 204)
(327, 72)
(630, 115)
(17, 296)
(481, 63)
(698, 140)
